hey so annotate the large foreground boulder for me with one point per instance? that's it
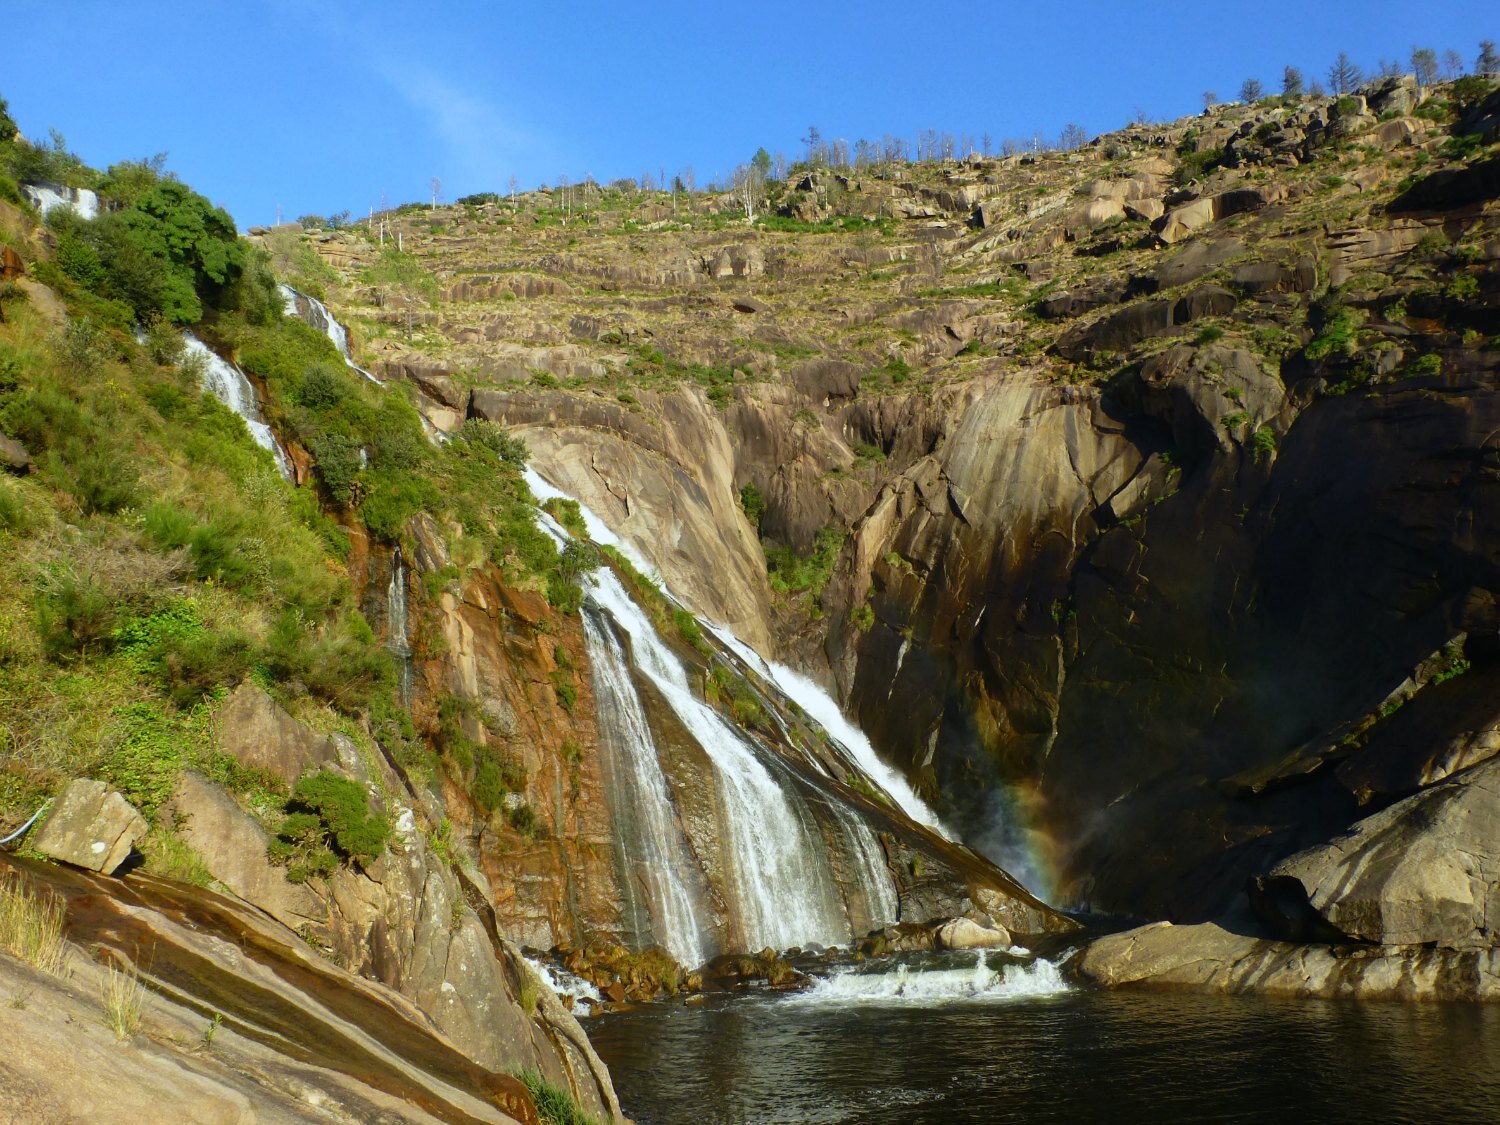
(1424, 870)
(92, 827)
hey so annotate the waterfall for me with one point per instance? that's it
(782, 885)
(659, 865)
(47, 197)
(799, 864)
(228, 384)
(396, 621)
(315, 313)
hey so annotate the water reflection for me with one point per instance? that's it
(1078, 1057)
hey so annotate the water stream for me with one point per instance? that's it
(315, 313)
(48, 197)
(229, 385)
(399, 641)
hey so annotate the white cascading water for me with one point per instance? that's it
(565, 983)
(780, 863)
(315, 313)
(229, 385)
(47, 197)
(908, 984)
(822, 709)
(660, 868)
(785, 893)
(398, 642)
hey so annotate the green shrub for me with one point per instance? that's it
(328, 821)
(218, 553)
(147, 756)
(167, 526)
(790, 573)
(1337, 336)
(74, 615)
(753, 504)
(1263, 443)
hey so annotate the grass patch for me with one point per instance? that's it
(554, 1105)
(32, 923)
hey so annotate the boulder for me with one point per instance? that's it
(1400, 131)
(13, 456)
(46, 303)
(11, 265)
(92, 826)
(1216, 958)
(1148, 209)
(965, 933)
(233, 847)
(1188, 265)
(1182, 221)
(748, 305)
(1254, 279)
(1424, 870)
(827, 380)
(254, 729)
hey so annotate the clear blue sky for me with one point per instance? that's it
(322, 105)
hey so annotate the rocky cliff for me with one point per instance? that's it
(1159, 474)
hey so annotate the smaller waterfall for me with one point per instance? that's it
(822, 708)
(48, 197)
(228, 384)
(315, 313)
(399, 643)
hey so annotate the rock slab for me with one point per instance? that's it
(92, 827)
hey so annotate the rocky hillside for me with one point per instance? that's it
(1152, 478)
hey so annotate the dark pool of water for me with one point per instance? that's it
(1078, 1057)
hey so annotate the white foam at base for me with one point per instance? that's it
(564, 983)
(907, 984)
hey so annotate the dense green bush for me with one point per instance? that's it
(74, 615)
(328, 821)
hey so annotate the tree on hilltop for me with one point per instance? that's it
(1343, 76)
(1291, 82)
(1453, 64)
(1424, 64)
(1251, 91)
(1488, 61)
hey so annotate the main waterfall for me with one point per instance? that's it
(799, 865)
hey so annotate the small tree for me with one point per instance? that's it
(1073, 136)
(1453, 64)
(1488, 61)
(1343, 75)
(1389, 68)
(1251, 91)
(1291, 82)
(1424, 64)
(1210, 99)
(437, 189)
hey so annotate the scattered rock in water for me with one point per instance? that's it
(963, 933)
(92, 826)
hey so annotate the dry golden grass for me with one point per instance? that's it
(123, 996)
(32, 924)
